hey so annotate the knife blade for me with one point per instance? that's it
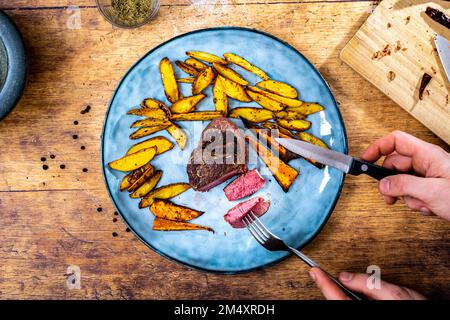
(443, 49)
(338, 160)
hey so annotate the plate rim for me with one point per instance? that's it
(146, 243)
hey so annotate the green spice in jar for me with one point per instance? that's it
(131, 12)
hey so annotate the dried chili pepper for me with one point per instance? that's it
(426, 78)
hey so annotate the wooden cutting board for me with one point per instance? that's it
(408, 32)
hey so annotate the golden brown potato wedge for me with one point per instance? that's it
(251, 114)
(147, 186)
(165, 192)
(166, 209)
(282, 132)
(234, 90)
(152, 103)
(197, 116)
(185, 80)
(289, 115)
(150, 122)
(161, 143)
(187, 104)
(265, 102)
(205, 56)
(283, 173)
(133, 161)
(145, 131)
(220, 98)
(131, 178)
(241, 62)
(230, 74)
(160, 224)
(178, 134)
(280, 88)
(169, 81)
(203, 80)
(307, 108)
(139, 182)
(283, 100)
(186, 68)
(307, 137)
(154, 113)
(299, 125)
(196, 64)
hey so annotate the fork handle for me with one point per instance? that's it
(313, 264)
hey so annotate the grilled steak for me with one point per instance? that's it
(219, 156)
(257, 205)
(245, 185)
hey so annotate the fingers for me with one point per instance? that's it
(398, 162)
(401, 185)
(329, 289)
(404, 143)
(384, 291)
(417, 205)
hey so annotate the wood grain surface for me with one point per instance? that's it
(409, 34)
(50, 219)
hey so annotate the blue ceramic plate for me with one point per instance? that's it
(296, 216)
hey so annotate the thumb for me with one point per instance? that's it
(408, 185)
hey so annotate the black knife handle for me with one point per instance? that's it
(359, 167)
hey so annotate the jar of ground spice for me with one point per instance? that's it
(128, 13)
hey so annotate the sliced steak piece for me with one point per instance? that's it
(245, 185)
(221, 154)
(258, 205)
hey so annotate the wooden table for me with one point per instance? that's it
(49, 219)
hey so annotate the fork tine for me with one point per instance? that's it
(258, 237)
(259, 224)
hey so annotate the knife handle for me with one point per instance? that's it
(359, 167)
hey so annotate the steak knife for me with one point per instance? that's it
(336, 160)
(443, 49)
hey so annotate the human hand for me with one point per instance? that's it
(357, 282)
(429, 192)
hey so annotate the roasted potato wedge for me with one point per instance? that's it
(154, 113)
(266, 134)
(178, 134)
(147, 186)
(160, 224)
(307, 137)
(283, 173)
(161, 143)
(282, 132)
(197, 116)
(166, 209)
(251, 114)
(283, 100)
(152, 103)
(131, 178)
(145, 131)
(187, 104)
(298, 125)
(234, 90)
(169, 81)
(241, 62)
(203, 80)
(185, 80)
(139, 182)
(290, 115)
(219, 97)
(280, 88)
(150, 122)
(187, 68)
(133, 161)
(230, 74)
(265, 102)
(205, 56)
(307, 108)
(165, 192)
(196, 64)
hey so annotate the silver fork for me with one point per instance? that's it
(273, 243)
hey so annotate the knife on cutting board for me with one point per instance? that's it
(443, 49)
(340, 161)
